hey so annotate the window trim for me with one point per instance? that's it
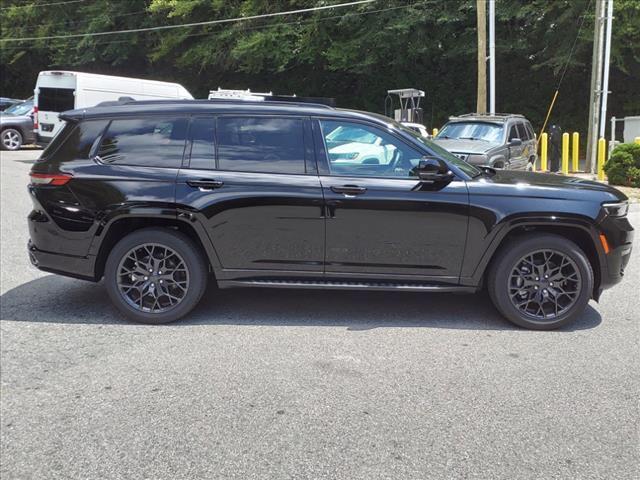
(322, 157)
(94, 155)
(186, 161)
(306, 152)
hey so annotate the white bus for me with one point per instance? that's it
(57, 91)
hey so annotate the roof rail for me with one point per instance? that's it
(488, 115)
(275, 101)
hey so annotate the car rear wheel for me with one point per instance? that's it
(155, 275)
(542, 282)
(10, 139)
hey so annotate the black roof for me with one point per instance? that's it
(177, 107)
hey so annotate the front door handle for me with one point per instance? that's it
(349, 189)
(205, 184)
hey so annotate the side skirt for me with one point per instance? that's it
(346, 285)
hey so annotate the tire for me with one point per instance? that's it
(508, 268)
(10, 139)
(499, 165)
(184, 286)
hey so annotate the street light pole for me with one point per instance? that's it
(492, 56)
(596, 87)
(607, 57)
(481, 104)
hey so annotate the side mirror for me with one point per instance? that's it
(515, 142)
(432, 170)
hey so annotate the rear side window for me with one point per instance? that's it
(263, 144)
(145, 142)
(77, 144)
(55, 99)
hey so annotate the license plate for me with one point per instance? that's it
(47, 127)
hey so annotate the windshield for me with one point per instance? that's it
(445, 154)
(489, 132)
(20, 108)
(351, 134)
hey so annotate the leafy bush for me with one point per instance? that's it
(623, 168)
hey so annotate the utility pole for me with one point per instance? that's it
(481, 105)
(607, 58)
(492, 56)
(596, 87)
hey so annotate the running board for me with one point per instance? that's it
(346, 285)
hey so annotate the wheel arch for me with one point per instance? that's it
(581, 235)
(109, 234)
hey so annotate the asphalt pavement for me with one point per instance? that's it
(277, 384)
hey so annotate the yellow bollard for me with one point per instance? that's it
(543, 152)
(575, 150)
(565, 153)
(602, 149)
(636, 140)
(435, 132)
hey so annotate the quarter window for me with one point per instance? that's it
(355, 149)
(267, 144)
(146, 142)
(77, 144)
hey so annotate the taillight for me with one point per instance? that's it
(49, 178)
(35, 118)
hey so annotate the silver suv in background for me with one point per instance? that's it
(500, 140)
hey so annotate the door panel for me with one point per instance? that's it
(259, 221)
(391, 227)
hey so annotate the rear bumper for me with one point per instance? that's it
(67, 265)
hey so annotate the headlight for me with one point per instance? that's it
(477, 159)
(618, 209)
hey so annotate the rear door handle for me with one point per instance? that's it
(349, 189)
(205, 184)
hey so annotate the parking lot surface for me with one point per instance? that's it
(283, 384)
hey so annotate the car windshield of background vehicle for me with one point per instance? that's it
(20, 109)
(444, 154)
(488, 132)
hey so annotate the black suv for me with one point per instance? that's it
(158, 196)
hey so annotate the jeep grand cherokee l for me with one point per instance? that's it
(159, 197)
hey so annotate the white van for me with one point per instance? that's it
(57, 91)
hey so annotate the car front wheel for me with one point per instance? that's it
(155, 275)
(542, 282)
(10, 139)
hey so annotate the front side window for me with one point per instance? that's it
(146, 142)
(355, 149)
(513, 133)
(261, 144)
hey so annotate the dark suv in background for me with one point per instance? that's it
(501, 140)
(156, 197)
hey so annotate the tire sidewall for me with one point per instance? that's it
(499, 280)
(177, 242)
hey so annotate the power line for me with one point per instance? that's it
(195, 24)
(42, 4)
(255, 27)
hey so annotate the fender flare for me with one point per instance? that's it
(509, 225)
(162, 213)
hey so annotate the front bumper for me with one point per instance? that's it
(67, 265)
